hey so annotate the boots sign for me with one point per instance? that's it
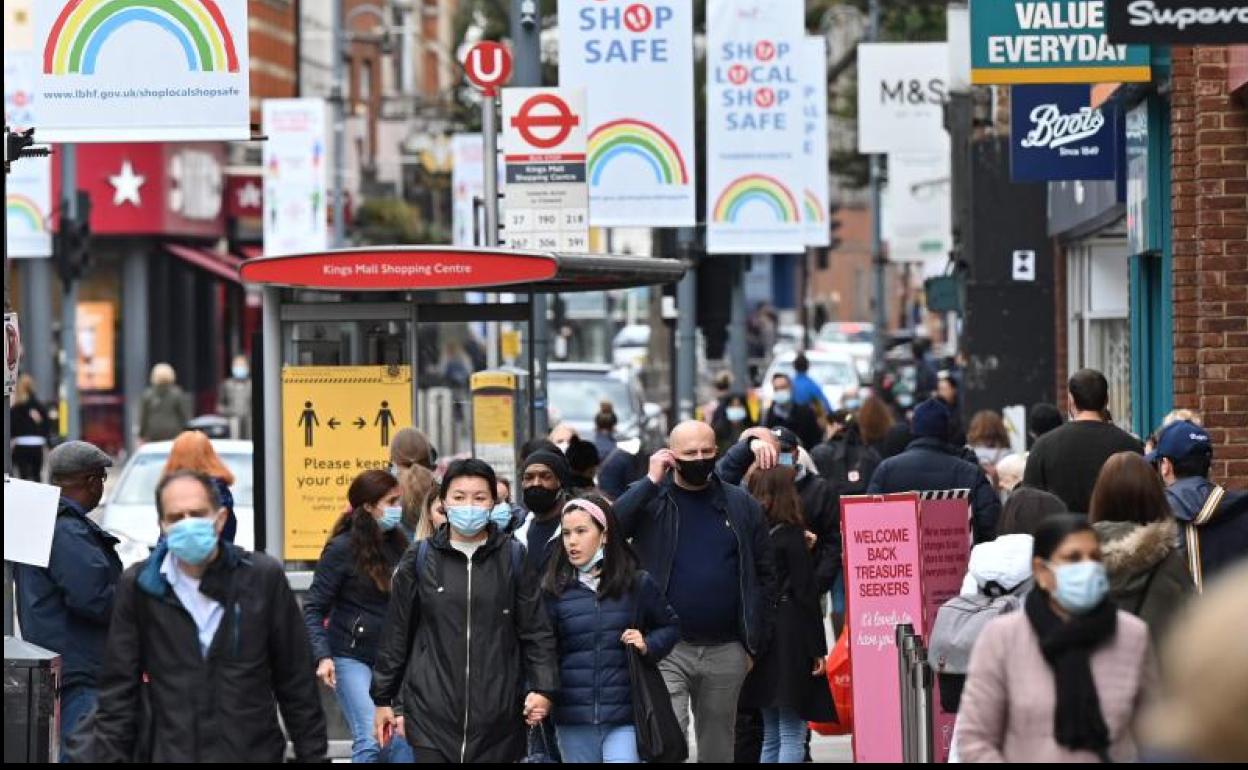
(1056, 135)
(1178, 22)
(1054, 41)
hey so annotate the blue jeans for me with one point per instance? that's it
(598, 743)
(354, 678)
(76, 701)
(784, 736)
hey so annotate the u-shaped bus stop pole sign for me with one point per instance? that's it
(488, 67)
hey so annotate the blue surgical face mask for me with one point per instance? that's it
(735, 413)
(1081, 586)
(501, 516)
(468, 520)
(783, 397)
(391, 515)
(192, 540)
(588, 566)
(240, 372)
(786, 459)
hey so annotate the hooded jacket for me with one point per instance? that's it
(463, 642)
(222, 707)
(1147, 576)
(1221, 535)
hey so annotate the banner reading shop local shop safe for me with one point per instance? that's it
(754, 168)
(130, 71)
(295, 176)
(641, 149)
(1049, 41)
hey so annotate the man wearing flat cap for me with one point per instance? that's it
(65, 607)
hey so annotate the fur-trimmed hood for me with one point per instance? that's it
(1132, 551)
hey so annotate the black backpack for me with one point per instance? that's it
(847, 465)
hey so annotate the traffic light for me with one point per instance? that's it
(72, 244)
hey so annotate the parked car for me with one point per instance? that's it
(576, 391)
(630, 346)
(834, 372)
(852, 338)
(129, 509)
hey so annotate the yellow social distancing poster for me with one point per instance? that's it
(337, 422)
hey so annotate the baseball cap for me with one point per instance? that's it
(787, 438)
(1181, 440)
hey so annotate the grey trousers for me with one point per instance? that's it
(708, 678)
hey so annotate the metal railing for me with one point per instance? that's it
(916, 696)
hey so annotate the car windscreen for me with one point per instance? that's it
(139, 485)
(578, 397)
(824, 372)
(843, 334)
(633, 337)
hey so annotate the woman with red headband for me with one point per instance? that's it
(600, 603)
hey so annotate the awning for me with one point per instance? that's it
(223, 266)
(436, 268)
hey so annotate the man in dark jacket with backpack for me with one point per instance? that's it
(66, 606)
(207, 644)
(931, 463)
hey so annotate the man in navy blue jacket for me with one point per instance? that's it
(66, 606)
(705, 543)
(931, 463)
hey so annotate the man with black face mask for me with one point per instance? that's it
(544, 477)
(705, 543)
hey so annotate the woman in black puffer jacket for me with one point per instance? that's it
(351, 587)
(599, 605)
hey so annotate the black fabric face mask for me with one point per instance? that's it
(696, 472)
(540, 499)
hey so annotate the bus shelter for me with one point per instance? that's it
(358, 343)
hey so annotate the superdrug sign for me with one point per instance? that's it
(1177, 22)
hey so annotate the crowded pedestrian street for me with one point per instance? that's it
(626, 381)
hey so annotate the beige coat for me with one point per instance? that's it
(1006, 714)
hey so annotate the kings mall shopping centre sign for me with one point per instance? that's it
(1059, 41)
(1178, 22)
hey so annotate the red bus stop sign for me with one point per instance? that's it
(488, 66)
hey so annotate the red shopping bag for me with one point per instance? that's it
(842, 691)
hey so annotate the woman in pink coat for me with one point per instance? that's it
(1064, 680)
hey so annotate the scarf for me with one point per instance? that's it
(1067, 646)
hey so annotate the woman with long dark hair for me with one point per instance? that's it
(600, 604)
(1065, 679)
(787, 682)
(351, 587)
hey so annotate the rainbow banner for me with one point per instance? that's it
(24, 212)
(28, 185)
(754, 127)
(640, 148)
(143, 70)
(756, 189)
(816, 196)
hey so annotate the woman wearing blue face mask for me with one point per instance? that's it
(467, 646)
(351, 587)
(597, 598)
(1066, 679)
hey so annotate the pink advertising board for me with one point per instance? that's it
(945, 549)
(882, 590)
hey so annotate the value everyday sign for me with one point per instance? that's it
(1062, 41)
(1178, 22)
(1056, 135)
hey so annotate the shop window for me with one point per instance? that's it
(1098, 325)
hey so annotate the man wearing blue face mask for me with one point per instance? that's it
(211, 637)
(786, 412)
(467, 644)
(351, 590)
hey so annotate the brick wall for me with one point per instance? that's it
(271, 44)
(1210, 207)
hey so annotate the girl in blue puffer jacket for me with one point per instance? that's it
(600, 603)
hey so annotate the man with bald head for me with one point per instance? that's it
(705, 543)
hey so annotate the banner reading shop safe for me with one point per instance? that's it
(754, 166)
(337, 422)
(294, 176)
(641, 149)
(28, 186)
(1049, 41)
(130, 71)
